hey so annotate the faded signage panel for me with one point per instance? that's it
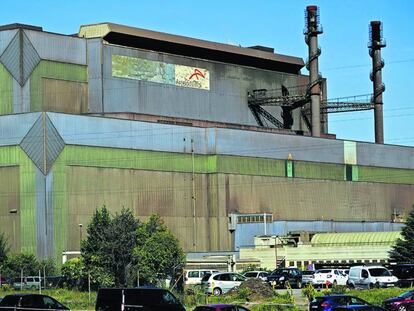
(160, 72)
(350, 152)
(192, 77)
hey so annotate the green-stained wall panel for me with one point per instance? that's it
(250, 166)
(6, 91)
(385, 175)
(14, 156)
(53, 70)
(319, 170)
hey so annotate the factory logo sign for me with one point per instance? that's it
(160, 72)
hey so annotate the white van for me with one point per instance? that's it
(193, 277)
(371, 276)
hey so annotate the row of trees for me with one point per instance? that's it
(119, 250)
(12, 265)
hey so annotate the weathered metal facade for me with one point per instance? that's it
(57, 164)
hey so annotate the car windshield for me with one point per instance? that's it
(406, 294)
(379, 272)
(250, 274)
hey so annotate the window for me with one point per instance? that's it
(193, 274)
(364, 274)
(224, 277)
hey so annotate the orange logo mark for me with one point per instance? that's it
(197, 73)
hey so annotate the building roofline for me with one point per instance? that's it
(125, 35)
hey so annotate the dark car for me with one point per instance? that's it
(327, 303)
(282, 276)
(30, 302)
(220, 307)
(358, 308)
(141, 298)
(405, 274)
(403, 302)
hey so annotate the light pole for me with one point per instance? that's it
(14, 212)
(80, 235)
(276, 237)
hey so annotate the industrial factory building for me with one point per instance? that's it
(219, 140)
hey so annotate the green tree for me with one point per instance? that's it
(73, 271)
(123, 240)
(48, 266)
(4, 248)
(21, 262)
(107, 251)
(403, 250)
(158, 254)
(95, 248)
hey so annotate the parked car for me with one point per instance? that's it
(329, 277)
(222, 282)
(403, 302)
(282, 276)
(193, 277)
(29, 282)
(371, 276)
(140, 298)
(256, 275)
(307, 276)
(358, 308)
(327, 303)
(30, 302)
(4, 281)
(405, 274)
(220, 307)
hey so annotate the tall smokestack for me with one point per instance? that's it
(312, 30)
(375, 44)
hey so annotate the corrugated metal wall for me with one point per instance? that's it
(226, 101)
(86, 178)
(6, 91)
(57, 71)
(17, 190)
(105, 132)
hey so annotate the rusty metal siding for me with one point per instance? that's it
(226, 101)
(306, 199)
(5, 39)
(60, 48)
(385, 155)
(9, 200)
(94, 55)
(13, 128)
(164, 193)
(64, 96)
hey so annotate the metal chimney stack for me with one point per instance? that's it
(375, 44)
(312, 30)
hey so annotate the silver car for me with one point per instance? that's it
(222, 282)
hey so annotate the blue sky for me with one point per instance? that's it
(344, 61)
